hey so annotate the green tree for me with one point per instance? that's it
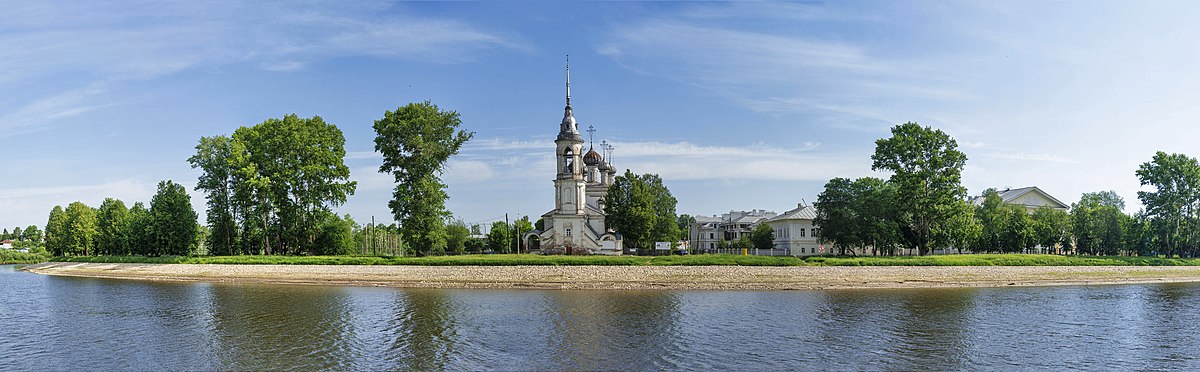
(1098, 224)
(1052, 228)
(288, 172)
(499, 238)
(926, 169)
(991, 219)
(1017, 230)
(336, 236)
(963, 230)
(762, 236)
(838, 215)
(858, 213)
(642, 209)
(1175, 200)
(685, 222)
(172, 220)
(416, 140)
(56, 232)
(16, 233)
(80, 234)
(457, 234)
(214, 158)
(31, 234)
(113, 223)
(141, 230)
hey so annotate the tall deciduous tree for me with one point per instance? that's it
(141, 230)
(172, 220)
(80, 233)
(31, 234)
(926, 169)
(642, 209)
(295, 169)
(214, 156)
(416, 140)
(858, 214)
(113, 223)
(456, 236)
(56, 231)
(1052, 229)
(1175, 200)
(499, 238)
(1098, 224)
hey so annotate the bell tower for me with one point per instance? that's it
(570, 183)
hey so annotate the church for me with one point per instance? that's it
(580, 185)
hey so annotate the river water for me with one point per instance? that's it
(59, 323)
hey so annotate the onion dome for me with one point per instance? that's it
(592, 158)
(605, 166)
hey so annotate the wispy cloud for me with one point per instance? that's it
(63, 105)
(782, 68)
(113, 42)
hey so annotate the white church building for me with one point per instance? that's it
(580, 185)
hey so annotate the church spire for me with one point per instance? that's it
(568, 80)
(567, 130)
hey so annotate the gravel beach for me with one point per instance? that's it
(634, 277)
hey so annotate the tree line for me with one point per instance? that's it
(270, 189)
(168, 227)
(923, 206)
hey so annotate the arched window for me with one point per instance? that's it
(569, 160)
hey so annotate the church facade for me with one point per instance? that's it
(580, 184)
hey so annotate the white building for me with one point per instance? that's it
(581, 183)
(1030, 197)
(795, 233)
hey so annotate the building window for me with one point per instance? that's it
(815, 232)
(568, 232)
(803, 249)
(801, 232)
(712, 235)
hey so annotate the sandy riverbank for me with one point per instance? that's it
(634, 277)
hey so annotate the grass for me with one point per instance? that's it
(9, 256)
(694, 260)
(1002, 260)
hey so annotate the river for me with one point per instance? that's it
(62, 323)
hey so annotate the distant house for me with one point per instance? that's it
(795, 233)
(7, 243)
(708, 231)
(1030, 197)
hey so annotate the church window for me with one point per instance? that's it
(568, 232)
(568, 159)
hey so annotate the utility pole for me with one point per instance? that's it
(506, 221)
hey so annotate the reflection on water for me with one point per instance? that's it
(55, 323)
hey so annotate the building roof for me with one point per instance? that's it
(802, 212)
(1010, 196)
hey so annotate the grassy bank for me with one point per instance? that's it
(1002, 260)
(9, 256)
(465, 260)
(696, 260)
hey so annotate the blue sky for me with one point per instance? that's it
(735, 105)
